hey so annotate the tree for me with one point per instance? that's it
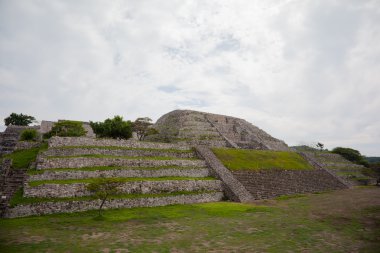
(320, 146)
(19, 119)
(113, 128)
(103, 188)
(66, 128)
(351, 155)
(141, 126)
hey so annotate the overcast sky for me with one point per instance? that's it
(304, 71)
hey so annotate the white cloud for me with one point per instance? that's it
(302, 70)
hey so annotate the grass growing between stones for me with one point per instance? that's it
(19, 199)
(340, 221)
(122, 157)
(119, 179)
(170, 150)
(244, 159)
(100, 168)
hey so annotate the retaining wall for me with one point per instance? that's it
(183, 172)
(139, 187)
(77, 206)
(275, 182)
(83, 141)
(114, 152)
(80, 162)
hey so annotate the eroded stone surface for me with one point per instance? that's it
(209, 129)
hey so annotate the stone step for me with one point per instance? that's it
(43, 208)
(83, 141)
(116, 152)
(200, 128)
(120, 172)
(190, 124)
(199, 134)
(342, 165)
(52, 190)
(80, 162)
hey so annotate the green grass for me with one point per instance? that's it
(120, 179)
(22, 158)
(244, 159)
(340, 221)
(96, 168)
(123, 157)
(126, 148)
(18, 198)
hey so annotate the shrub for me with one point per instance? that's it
(351, 155)
(29, 135)
(66, 128)
(113, 128)
(103, 188)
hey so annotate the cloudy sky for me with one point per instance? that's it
(302, 70)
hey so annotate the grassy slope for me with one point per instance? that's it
(22, 158)
(340, 221)
(243, 159)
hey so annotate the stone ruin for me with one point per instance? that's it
(181, 149)
(196, 128)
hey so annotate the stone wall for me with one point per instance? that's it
(79, 174)
(233, 189)
(83, 141)
(275, 182)
(76, 206)
(139, 187)
(115, 152)
(26, 145)
(80, 162)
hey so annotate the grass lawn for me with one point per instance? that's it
(245, 159)
(340, 221)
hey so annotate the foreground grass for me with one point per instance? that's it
(340, 221)
(245, 159)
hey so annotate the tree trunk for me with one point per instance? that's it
(101, 205)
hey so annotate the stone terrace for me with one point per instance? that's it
(152, 174)
(346, 170)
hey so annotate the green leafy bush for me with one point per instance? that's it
(29, 135)
(113, 128)
(351, 155)
(66, 128)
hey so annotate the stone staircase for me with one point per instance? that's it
(151, 174)
(346, 170)
(11, 180)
